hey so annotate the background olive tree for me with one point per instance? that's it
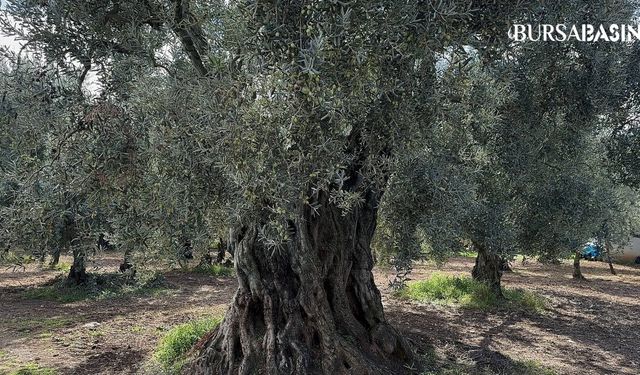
(519, 165)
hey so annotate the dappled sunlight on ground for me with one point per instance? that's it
(590, 327)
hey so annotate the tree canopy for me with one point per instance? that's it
(291, 128)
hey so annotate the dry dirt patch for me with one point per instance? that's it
(591, 327)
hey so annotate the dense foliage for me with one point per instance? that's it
(288, 129)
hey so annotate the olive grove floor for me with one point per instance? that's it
(591, 327)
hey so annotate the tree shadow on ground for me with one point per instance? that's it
(110, 362)
(594, 322)
(429, 331)
(182, 288)
(590, 327)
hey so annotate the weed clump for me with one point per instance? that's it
(34, 369)
(98, 287)
(468, 293)
(217, 270)
(173, 347)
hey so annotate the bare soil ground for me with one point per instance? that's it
(591, 327)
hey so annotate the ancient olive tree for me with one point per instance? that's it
(289, 120)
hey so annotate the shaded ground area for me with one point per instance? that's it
(591, 327)
(65, 336)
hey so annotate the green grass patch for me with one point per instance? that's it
(34, 369)
(61, 266)
(59, 293)
(531, 367)
(16, 260)
(96, 334)
(217, 270)
(137, 329)
(42, 325)
(173, 347)
(98, 287)
(469, 254)
(468, 293)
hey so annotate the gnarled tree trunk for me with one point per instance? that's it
(488, 269)
(309, 308)
(78, 272)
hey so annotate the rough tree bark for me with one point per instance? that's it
(78, 272)
(488, 269)
(577, 273)
(309, 308)
(55, 256)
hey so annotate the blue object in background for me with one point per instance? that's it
(591, 251)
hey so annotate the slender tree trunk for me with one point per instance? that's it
(42, 257)
(488, 269)
(607, 250)
(55, 257)
(505, 266)
(577, 273)
(126, 264)
(309, 308)
(185, 253)
(222, 249)
(78, 273)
